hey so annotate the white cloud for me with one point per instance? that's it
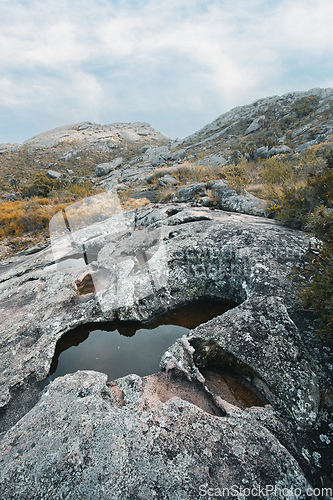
(104, 58)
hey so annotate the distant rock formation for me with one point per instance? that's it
(94, 135)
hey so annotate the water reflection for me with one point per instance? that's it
(118, 349)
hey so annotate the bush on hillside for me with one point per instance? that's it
(311, 208)
(26, 216)
(315, 280)
(298, 203)
(41, 186)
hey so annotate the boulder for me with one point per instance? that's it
(189, 192)
(218, 254)
(105, 168)
(134, 439)
(157, 155)
(305, 145)
(134, 436)
(52, 174)
(301, 130)
(68, 156)
(229, 199)
(167, 180)
(9, 197)
(262, 152)
(178, 155)
(280, 150)
(249, 333)
(255, 125)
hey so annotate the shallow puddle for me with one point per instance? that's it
(121, 348)
(233, 388)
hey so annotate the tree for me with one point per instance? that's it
(250, 149)
(235, 157)
(14, 182)
(270, 139)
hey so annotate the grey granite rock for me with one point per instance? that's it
(305, 145)
(204, 253)
(135, 436)
(134, 439)
(229, 199)
(9, 197)
(52, 174)
(180, 154)
(189, 192)
(280, 150)
(99, 137)
(69, 155)
(262, 152)
(255, 125)
(258, 333)
(168, 180)
(157, 155)
(105, 168)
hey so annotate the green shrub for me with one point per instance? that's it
(315, 286)
(298, 203)
(41, 186)
(275, 172)
(237, 176)
(320, 222)
(305, 106)
(315, 280)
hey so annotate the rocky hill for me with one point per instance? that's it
(76, 148)
(287, 124)
(297, 120)
(212, 167)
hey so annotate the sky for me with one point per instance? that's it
(176, 64)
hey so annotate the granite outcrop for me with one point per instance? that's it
(130, 438)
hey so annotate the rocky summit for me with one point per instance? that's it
(183, 432)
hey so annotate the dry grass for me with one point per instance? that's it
(131, 203)
(27, 216)
(187, 172)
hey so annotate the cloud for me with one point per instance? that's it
(111, 60)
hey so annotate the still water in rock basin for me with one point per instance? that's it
(118, 349)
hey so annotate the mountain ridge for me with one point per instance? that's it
(74, 161)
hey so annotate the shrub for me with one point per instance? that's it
(315, 280)
(305, 106)
(236, 176)
(275, 172)
(41, 186)
(26, 216)
(298, 203)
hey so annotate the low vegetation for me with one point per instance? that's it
(310, 207)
